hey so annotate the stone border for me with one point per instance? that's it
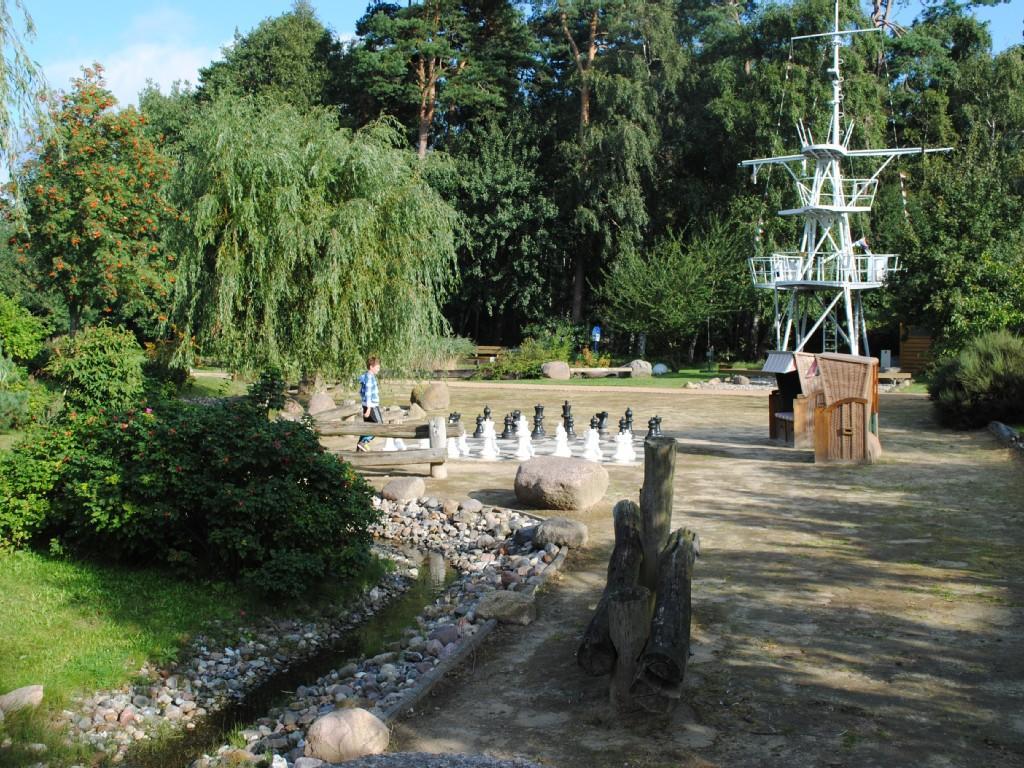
(1008, 436)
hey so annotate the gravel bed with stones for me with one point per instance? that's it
(492, 548)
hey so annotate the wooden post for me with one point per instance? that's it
(656, 503)
(657, 685)
(438, 439)
(628, 617)
(596, 654)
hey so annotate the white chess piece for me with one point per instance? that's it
(623, 448)
(592, 446)
(463, 445)
(390, 445)
(453, 448)
(561, 443)
(522, 426)
(489, 452)
(629, 443)
(524, 450)
(399, 444)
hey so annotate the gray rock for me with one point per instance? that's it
(552, 482)
(432, 396)
(416, 413)
(471, 505)
(446, 633)
(346, 734)
(507, 607)
(28, 697)
(740, 379)
(404, 488)
(556, 369)
(320, 402)
(562, 532)
(308, 762)
(450, 507)
(660, 369)
(640, 369)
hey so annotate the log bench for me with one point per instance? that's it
(435, 430)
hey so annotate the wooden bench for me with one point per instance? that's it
(486, 353)
(434, 430)
(600, 373)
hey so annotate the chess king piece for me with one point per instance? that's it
(538, 422)
(561, 442)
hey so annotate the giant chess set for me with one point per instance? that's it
(518, 441)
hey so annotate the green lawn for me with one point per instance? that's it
(209, 384)
(669, 380)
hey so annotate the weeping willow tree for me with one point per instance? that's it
(303, 246)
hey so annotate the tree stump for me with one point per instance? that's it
(596, 654)
(657, 686)
(629, 612)
(656, 503)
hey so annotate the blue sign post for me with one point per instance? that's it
(595, 336)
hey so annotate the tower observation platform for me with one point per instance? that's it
(820, 284)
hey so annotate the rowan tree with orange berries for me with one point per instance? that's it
(94, 208)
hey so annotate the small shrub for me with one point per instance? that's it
(98, 366)
(561, 336)
(588, 359)
(267, 392)
(983, 383)
(21, 333)
(216, 492)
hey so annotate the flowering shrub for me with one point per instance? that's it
(99, 366)
(215, 492)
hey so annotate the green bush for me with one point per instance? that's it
(215, 492)
(100, 366)
(559, 335)
(983, 383)
(543, 342)
(21, 333)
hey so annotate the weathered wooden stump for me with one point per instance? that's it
(649, 570)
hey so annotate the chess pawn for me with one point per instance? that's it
(592, 446)
(524, 450)
(570, 427)
(506, 433)
(652, 427)
(561, 442)
(624, 453)
(538, 422)
(629, 419)
(479, 432)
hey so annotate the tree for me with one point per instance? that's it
(292, 57)
(436, 62)
(22, 87)
(94, 210)
(305, 247)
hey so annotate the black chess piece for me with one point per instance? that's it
(454, 417)
(567, 419)
(570, 427)
(508, 433)
(487, 413)
(594, 421)
(538, 422)
(652, 427)
(622, 425)
(479, 427)
(629, 419)
(516, 415)
(602, 423)
(566, 410)
(657, 426)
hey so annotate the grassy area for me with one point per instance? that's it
(668, 380)
(214, 384)
(8, 439)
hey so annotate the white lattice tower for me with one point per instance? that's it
(822, 283)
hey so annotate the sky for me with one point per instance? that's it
(170, 40)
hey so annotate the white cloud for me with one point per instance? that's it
(158, 45)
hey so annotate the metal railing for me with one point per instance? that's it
(853, 193)
(798, 267)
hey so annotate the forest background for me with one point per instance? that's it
(573, 159)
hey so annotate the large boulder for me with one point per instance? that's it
(553, 482)
(556, 369)
(292, 410)
(507, 607)
(660, 369)
(640, 369)
(432, 396)
(29, 697)
(346, 734)
(319, 402)
(560, 531)
(404, 488)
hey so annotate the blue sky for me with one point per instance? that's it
(169, 40)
